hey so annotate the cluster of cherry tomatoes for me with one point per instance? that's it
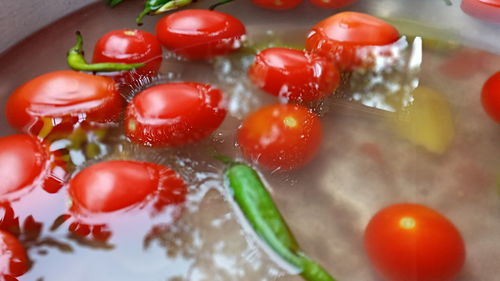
(405, 242)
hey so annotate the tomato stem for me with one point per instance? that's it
(76, 60)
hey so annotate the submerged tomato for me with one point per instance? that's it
(13, 259)
(331, 4)
(66, 97)
(294, 74)
(277, 4)
(130, 46)
(491, 96)
(200, 34)
(114, 185)
(482, 9)
(413, 242)
(174, 114)
(341, 35)
(280, 137)
(26, 163)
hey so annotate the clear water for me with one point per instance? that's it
(363, 166)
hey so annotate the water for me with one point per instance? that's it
(364, 165)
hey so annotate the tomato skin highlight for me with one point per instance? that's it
(280, 137)
(12, 255)
(174, 114)
(490, 97)
(24, 163)
(294, 74)
(277, 4)
(130, 46)
(64, 95)
(341, 35)
(331, 4)
(200, 34)
(413, 242)
(115, 185)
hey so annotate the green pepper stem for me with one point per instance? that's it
(222, 2)
(172, 5)
(144, 12)
(76, 60)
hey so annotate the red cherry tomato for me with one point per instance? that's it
(174, 114)
(341, 35)
(413, 242)
(491, 96)
(115, 185)
(331, 4)
(200, 34)
(294, 74)
(483, 9)
(14, 261)
(280, 137)
(27, 163)
(67, 97)
(130, 46)
(277, 4)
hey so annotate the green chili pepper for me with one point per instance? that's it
(76, 60)
(259, 209)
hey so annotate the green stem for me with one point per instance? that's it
(172, 5)
(76, 60)
(144, 12)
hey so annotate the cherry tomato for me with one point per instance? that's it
(130, 46)
(66, 97)
(115, 185)
(341, 35)
(200, 34)
(277, 4)
(13, 257)
(280, 137)
(331, 4)
(413, 242)
(174, 114)
(294, 74)
(482, 9)
(491, 96)
(27, 163)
